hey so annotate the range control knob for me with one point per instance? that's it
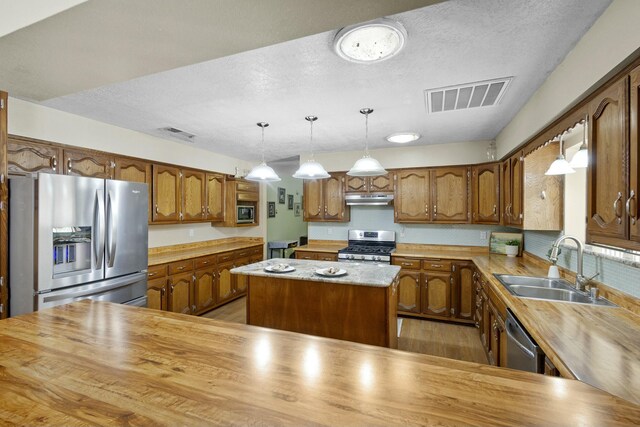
(376, 258)
(351, 257)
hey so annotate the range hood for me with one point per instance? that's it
(369, 199)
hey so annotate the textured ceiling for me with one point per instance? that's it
(449, 43)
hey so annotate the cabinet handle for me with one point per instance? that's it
(205, 262)
(209, 210)
(54, 163)
(181, 267)
(171, 289)
(436, 265)
(152, 274)
(453, 311)
(477, 324)
(203, 213)
(407, 264)
(435, 210)
(495, 210)
(68, 165)
(181, 216)
(632, 213)
(157, 211)
(113, 164)
(162, 291)
(616, 204)
(426, 210)
(193, 308)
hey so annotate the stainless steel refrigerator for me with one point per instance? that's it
(74, 238)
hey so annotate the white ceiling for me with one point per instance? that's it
(449, 43)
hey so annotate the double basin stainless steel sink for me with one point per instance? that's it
(547, 289)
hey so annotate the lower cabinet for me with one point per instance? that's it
(436, 294)
(490, 321)
(409, 291)
(195, 286)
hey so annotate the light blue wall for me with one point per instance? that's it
(285, 225)
(381, 218)
(615, 274)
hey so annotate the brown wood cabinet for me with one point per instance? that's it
(134, 170)
(463, 293)
(167, 194)
(631, 204)
(4, 198)
(324, 199)
(215, 197)
(370, 184)
(157, 293)
(409, 292)
(180, 299)
(490, 319)
(25, 156)
(225, 282)
(512, 189)
(450, 194)
(412, 199)
(436, 294)
(88, 163)
(543, 195)
(193, 196)
(485, 189)
(241, 192)
(318, 256)
(204, 290)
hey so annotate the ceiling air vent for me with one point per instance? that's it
(178, 134)
(469, 95)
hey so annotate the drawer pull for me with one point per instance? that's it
(181, 267)
(152, 274)
(436, 265)
(409, 264)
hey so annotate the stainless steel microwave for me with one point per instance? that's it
(246, 214)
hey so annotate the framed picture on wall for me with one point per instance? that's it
(290, 202)
(281, 195)
(297, 207)
(271, 209)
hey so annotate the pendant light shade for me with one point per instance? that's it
(560, 166)
(311, 169)
(581, 158)
(262, 172)
(367, 165)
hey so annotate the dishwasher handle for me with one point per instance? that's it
(516, 334)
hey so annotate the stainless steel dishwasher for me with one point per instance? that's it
(522, 351)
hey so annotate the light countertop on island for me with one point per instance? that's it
(357, 273)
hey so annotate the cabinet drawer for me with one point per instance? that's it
(226, 256)
(242, 253)
(205, 261)
(436, 265)
(305, 255)
(408, 263)
(155, 271)
(323, 256)
(255, 258)
(255, 251)
(181, 266)
(247, 197)
(247, 186)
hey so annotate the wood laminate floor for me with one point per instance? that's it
(417, 336)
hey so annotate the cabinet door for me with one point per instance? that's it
(135, 171)
(485, 336)
(204, 291)
(634, 163)
(193, 193)
(166, 194)
(608, 168)
(411, 202)
(382, 183)
(409, 291)
(517, 184)
(157, 293)
(505, 191)
(180, 293)
(215, 197)
(225, 282)
(357, 184)
(543, 195)
(24, 157)
(241, 281)
(464, 292)
(313, 202)
(486, 193)
(88, 163)
(450, 194)
(436, 294)
(334, 203)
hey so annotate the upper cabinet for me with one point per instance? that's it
(193, 196)
(134, 170)
(485, 189)
(450, 194)
(239, 192)
(543, 195)
(88, 163)
(370, 184)
(214, 200)
(411, 200)
(512, 187)
(28, 157)
(167, 194)
(612, 180)
(324, 199)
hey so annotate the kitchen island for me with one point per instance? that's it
(96, 363)
(360, 306)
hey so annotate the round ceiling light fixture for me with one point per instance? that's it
(403, 137)
(371, 41)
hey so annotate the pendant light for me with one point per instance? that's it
(560, 166)
(367, 165)
(311, 169)
(262, 172)
(581, 158)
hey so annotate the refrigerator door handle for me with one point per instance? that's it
(98, 225)
(112, 231)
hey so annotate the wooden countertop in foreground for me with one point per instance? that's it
(101, 363)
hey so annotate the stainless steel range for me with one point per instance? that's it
(369, 246)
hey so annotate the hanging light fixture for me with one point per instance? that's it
(560, 166)
(367, 165)
(581, 158)
(311, 169)
(262, 172)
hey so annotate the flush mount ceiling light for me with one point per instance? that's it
(560, 166)
(403, 137)
(581, 158)
(262, 172)
(311, 169)
(367, 165)
(371, 41)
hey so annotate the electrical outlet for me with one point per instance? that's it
(191, 232)
(329, 230)
(483, 235)
(402, 231)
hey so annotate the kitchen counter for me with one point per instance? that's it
(331, 247)
(166, 254)
(595, 344)
(100, 363)
(357, 274)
